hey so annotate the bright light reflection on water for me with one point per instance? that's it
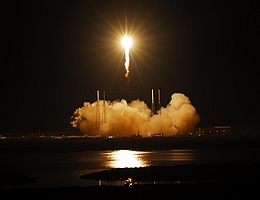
(183, 155)
(125, 159)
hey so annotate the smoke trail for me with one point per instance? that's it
(123, 119)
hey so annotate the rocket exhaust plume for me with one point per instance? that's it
(127, 42)
(127, 119)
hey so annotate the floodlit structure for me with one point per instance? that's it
(156, 109)
(122, 119)
(103, 120)
(97, 114)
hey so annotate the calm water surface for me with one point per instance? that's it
(64, 169)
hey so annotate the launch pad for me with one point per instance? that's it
(101, 117)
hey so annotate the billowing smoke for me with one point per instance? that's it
(120, 119)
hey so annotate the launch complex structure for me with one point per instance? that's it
(101, 108)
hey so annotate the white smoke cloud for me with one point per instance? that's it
(122, 119)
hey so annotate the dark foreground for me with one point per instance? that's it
(190, 173)
(227, 181)
(176, 191)
(233, 181)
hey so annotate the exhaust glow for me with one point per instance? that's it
(127, 43)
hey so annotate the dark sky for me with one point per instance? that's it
(56, 54)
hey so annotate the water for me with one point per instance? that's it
(65, 169)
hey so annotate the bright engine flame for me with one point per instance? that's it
(127, 42)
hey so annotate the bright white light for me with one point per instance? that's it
(125, 159)
(127, 42)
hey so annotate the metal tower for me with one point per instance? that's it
(159, 102)
(153, 104)
(104, 108)
(97, 114)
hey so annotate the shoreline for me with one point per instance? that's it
(49, 145)
(191, 173)
(222, 189)
(231, 173)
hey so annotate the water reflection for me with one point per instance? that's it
(125, 159)
(171, 157)
(183, 155)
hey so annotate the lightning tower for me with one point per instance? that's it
(97, 114)
(104, 108)
(159, 102)
(153, 105)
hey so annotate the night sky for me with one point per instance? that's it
(56, 54)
